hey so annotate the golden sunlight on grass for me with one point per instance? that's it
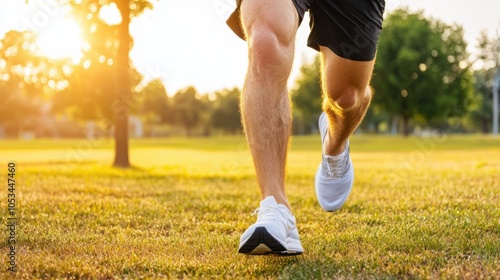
(416, 211)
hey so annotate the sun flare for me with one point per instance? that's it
(110, 14)
(62, 39)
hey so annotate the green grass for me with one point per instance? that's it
(420, 208)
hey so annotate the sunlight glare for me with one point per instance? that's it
(110, 14)
(62, 40)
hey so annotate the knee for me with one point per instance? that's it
(347, 98)
(269, 52)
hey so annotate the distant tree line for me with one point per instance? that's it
(423, 79)
(34, 88)
(189, 109)
(36, 91)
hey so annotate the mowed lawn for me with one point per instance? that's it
(420, 208)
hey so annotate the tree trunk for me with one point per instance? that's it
(486, 129)
(406, 126)
(406, 117)
(207, 131)
(121, 107)
(394, 125)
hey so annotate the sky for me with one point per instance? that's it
(188, 43)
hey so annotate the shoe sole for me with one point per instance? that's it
(261, 242)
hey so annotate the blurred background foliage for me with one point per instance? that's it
(425, 81)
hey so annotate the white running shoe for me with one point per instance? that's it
(335, 174)
(274, 232)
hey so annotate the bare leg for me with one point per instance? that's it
(346, 97)
(270, 28)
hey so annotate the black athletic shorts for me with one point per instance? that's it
(350, 28)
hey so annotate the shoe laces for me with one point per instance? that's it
(335, 167)
(268, 212)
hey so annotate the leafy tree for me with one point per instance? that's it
(306, 97)
(226, 114)
(375, 116)
(207, 110)
(481, 114)
(26, 78)
(489, 50)
(155, 104)
(187, 108)
(111, 45)
(421, 74)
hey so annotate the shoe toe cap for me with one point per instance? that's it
(332, 193)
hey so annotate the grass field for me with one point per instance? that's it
(420, 208)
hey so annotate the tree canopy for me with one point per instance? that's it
(112, 44)
(306, 97)
(226, 114)
(26, 80)
(187, 108)
(421, 72)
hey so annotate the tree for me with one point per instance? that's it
(26, 79)
(306, 96)
(489, 57)
(226, 114)
(118, 46)
(155, 104)
(489, 50)
(373, 119)
(421, 74)
(187, 108)
(206, 112)
(480, 113)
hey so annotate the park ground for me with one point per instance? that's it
(420, 208)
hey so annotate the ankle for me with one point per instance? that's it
(280, 199)
(333, 149)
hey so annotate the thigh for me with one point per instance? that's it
(339, 74)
